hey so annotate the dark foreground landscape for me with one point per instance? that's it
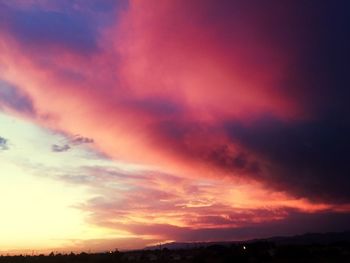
(306, 248)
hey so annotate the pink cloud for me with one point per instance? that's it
(173, 86)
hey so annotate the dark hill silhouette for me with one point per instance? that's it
(304, 239)
(307, 248)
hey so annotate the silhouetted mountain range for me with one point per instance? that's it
(304, 239)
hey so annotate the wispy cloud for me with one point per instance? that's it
(15, 99)
(71, 142)
(58, 148)
(78, 139)
(3, 144)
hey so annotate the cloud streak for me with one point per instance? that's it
(73, 141)
(3, 144)
(14, 99)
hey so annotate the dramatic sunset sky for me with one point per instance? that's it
(128, 123)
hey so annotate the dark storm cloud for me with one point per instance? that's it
(309, 157)
(200, 142)
(289, 132)
(320, 75)
(15, 99)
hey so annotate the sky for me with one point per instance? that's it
(128, 123)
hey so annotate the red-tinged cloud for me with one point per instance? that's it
(224, 65)
(236, 92)
(159, 206)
